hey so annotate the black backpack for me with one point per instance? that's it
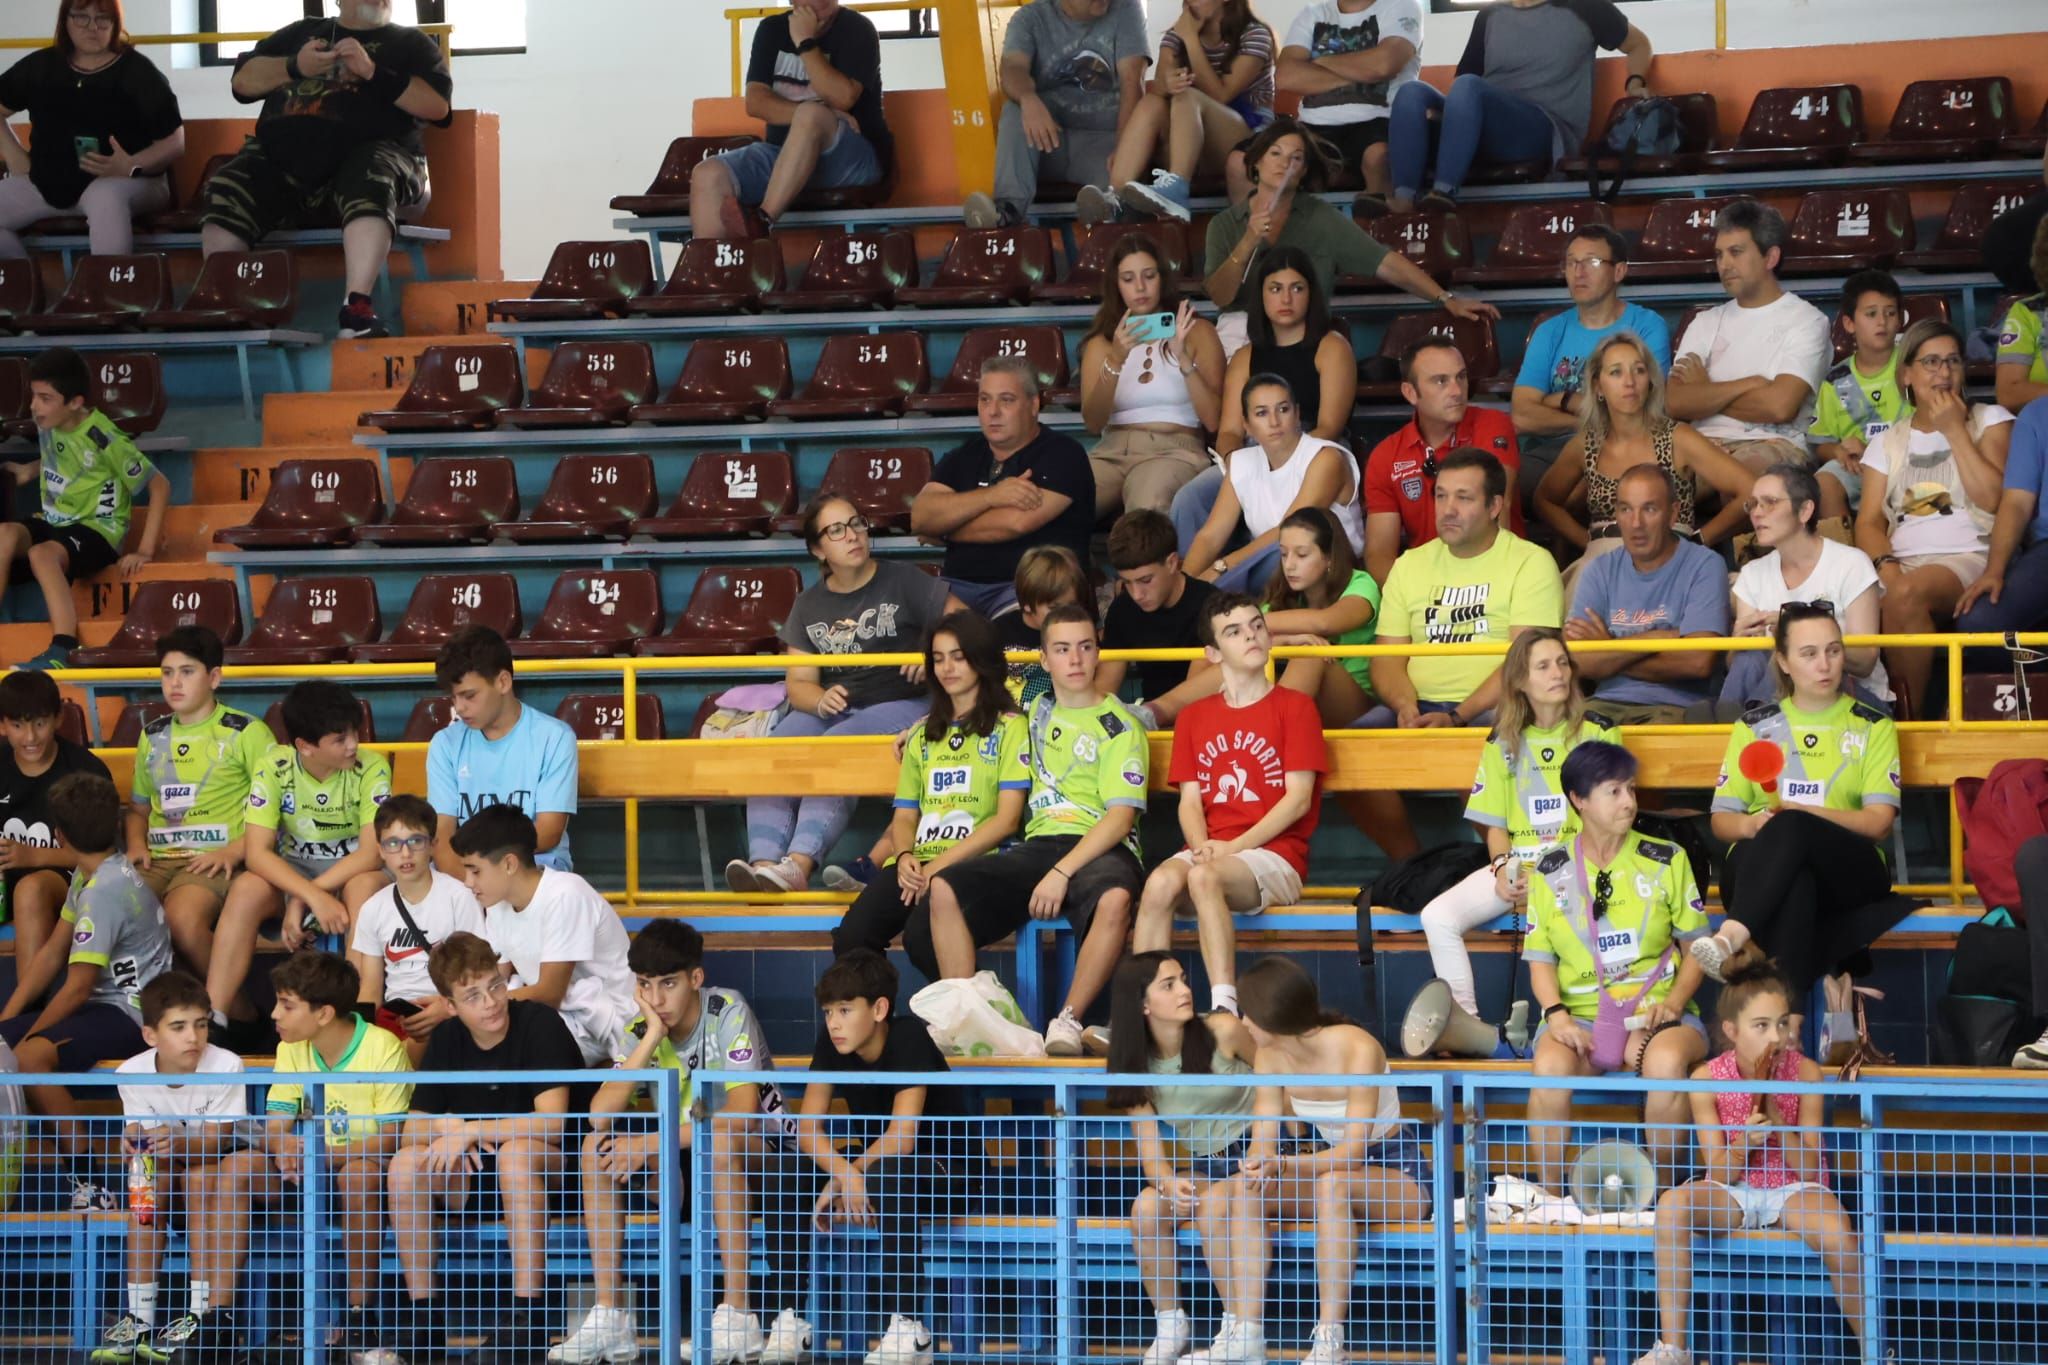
(1987, 1013)
(1649, 127)
(1408, 886)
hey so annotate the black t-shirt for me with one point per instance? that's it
(536, 1039)
(23, 815)
(850, 45)
(310, 125)
(128, 101)
(908, 1047)
(1057, 464)
(1171, 627)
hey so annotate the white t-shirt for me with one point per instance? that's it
(1324, 30)
(1843, 574)
(568, 921)
(1932, 533)
(187, 1106)
(1264, 493)
(1786, 336)
(448, 909)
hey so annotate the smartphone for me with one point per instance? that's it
(85, 146)
(1151, 327)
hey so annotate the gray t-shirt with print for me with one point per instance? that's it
(889, 614)
(1075, 64)
(1544, 53)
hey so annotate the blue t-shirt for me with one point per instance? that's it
(1688, 594)
(1555, 360)
(533, 767)
(2026, 464)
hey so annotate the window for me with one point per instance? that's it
(482, 27)
(905, 23)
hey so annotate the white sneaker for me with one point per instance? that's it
(735, 1336)
(789, 1340)
(1172, 1342)
(782, 875)
(978, 210)
(1063, 1036)
(606, 1336)
(904, 1343)
(1238, 1343)
(2034, 1056)
(1325, 1346)
(1664, 1353)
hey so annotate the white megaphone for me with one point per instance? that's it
(1614, 1177)
(1437, 1023)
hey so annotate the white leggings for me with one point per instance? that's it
(1445, 922)
(110, 207)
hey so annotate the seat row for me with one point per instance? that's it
(128, 386)
(235, 291)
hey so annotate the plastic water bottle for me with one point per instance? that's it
(142, 1188)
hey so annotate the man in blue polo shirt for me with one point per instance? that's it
(498, 751)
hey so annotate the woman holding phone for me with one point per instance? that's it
(107, 131)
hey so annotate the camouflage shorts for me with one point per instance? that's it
(253, 195)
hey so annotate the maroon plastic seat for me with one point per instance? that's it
(1958, 118)
(1960, 244)
(441, 605)
(733, 609)
(602, 716)
(1917, 307)
(670, 191)
(859, 376)
(128, 386)
(455, 388)
(14, 411)
(1083, 280)
(584, 280)
(1436, 241)
(589, 497)
(591, 613)
(312, 503)
(190, 215)
(1531, 246)
(984, 268)
(1474, 337)
(1677, 241)
(450, 500)
(312, 621)
(723, 380)
(880, 481)
(366, 721)
(162, 605)
(107, 294)
(850, 270)
(21, 293)
(136, 714)
(1838, 231)
(588, 384)
(1793, 127)
(235, 291)
(71, 720)
(1699, 118)
(429, 717)
(727, 493)
(715, 277)
(1041, 344)
(2029, 144)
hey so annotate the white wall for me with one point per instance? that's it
(605, 84)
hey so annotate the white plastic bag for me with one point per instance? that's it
(977, 1017)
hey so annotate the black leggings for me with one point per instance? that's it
(1812, 894)
(904, 1193)
(878, 915)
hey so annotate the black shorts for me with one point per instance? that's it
(89, 550)
(254, 194)
(1348, 141)
(91, 1034)
(994, 890)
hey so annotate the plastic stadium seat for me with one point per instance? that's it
(850, 271)
(161, 605)
(1473, 336)
(21, 293)
(1918, 306)
(723, 380)
(71, 721)
(983, 268)
(860, 376)
(107, 294)
(583, 281)
(1677, 241)
(366, 723)
(430, 716)
(1960, 245)
(14, 412)
(1838, 231)
(1083, 281)
(588, 384)
(1531, 246)
(442, 604)
(312, 621)
(187, 218)
(1955, 119)
(727, 493)
(128, 386)
(1794, 127)
(450, 500)
(128, 725)
(312, 503)
(1436, 241)
(2028, 144)
(455, 388)
(235, 291)
(589, 497)
(670, 191)
(715, 277)
(1041, 344)
(591, 613)
(598, 716)
(881, 481)
(1699, 118)
(733, 610)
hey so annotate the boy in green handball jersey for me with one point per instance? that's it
(90, 472)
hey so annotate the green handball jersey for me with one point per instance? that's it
(1082, 763)
(90, 476)
(955, 783)
(317, 823)
(1843, 757)
(1523, 794)
(196, 779)
(728, 1037)
(1647, 902)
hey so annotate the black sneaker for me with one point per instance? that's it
(1436, 201)
(359, 322)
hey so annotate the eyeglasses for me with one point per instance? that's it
(840, 530)
(1586, 262)
(1750, 505)
(410, 843)
(1939, 362)
(85, 19)
(1603, 891)
(483, 995)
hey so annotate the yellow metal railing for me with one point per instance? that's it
(444, 34)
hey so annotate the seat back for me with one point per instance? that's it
(1803, 116)
(322, 494)
(999, 258)
(682, 157)
(883, 365)
(710, 266)
(1434, 240)
(1680, 230)
(1954, 107)
(721, 369)
(737, 483)
(607, 273)
(128, 725)
(1042, 345)
(601, 604)
(13, 388)
(862, 261)
(443, 603)
(366, 722)
(71, 722)
(601, 716)
(753, 599)
(159, 606)
(430, 716)
(1699, 120)
(882, 481)
(1537, 234)
(598, 376)
(21, 287)
(1973, 208)
(263, 284)
(128, 386)
(460, 490)
(462, 378)
(302, 612)
(607, 487)
(1473, 336)
(116, 284)
(1092, 259)
(197, 199)
(1869, 223)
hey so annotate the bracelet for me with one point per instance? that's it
(1634, 78)
(1560, 1005)
(291, 68)
(1062, 871)
(1112, 373)
(1502, 861)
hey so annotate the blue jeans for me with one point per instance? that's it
(990, 599)
(849, 160)
(1384, 718)
(1191, 508)
(2022, 605)
(1477, 121)
(780, 825)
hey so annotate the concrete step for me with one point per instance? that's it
(457, 307)
(319, 419)
(242, 474)
(387, 364)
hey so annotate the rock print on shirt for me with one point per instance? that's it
(845, 635)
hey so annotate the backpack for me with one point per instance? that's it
(1987, 1012)
(1999, 813)
(1649, 127)
(1408, 886)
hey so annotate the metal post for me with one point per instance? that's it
(1066, 1215)
(311, 1132)
(670, 1269)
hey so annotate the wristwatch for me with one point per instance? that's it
(1444, 298)
(807, 45)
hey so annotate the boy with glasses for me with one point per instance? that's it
(398, 926)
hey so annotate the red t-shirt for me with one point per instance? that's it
(1242, 755)
(1395, 480)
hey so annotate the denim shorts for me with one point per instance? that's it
(849, 160)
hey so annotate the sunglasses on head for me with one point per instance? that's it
(1603, 892)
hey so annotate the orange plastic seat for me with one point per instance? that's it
(669, 192)
(1435, 240)
(21, 293)
(1083, 281)
(455, 388)
(158, 607)
(880, 481)
(128, 386)
(128, 725)
(1042, 344)
(235, 291)
(190, 214)
(441, 605)
(1794, 127)
(1474, 337)
(1952, 119)
(850, 271)
(985, 268)
(1699, 118)
(312, 621)
(1532, 245)
(1960, 244)
(366, 722)
(723, 381)
(450, 500)
(584, 280)
(588, 384)
(429, 717)
(589, 497)
(732, 610)
(727, 493)
(108, 294)
(1677, 241)
(1838, 231)
(715, 277)
(859, 376)
(592, 613)
(312, 503)
(600, 716)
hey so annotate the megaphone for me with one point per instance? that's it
(1437, 1023)
(1614, 1177)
